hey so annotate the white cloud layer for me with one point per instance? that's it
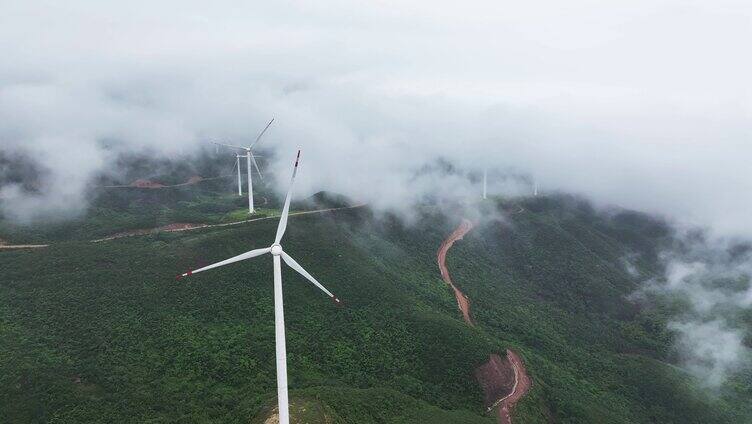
(716, 286)
(646, 104)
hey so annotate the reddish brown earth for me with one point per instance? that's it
(504, 381)
(143, 183)
(496, 379)
(195, 179)
(521, 387)
(186, 227)
(178, 226)
(462, 301)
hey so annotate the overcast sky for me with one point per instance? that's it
(644, 104)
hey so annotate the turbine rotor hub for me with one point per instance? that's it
(276, 250)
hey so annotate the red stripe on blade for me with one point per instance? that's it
(184, 275)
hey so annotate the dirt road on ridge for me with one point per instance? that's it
(22, 246)
(180, 227)
(491, 376)
(149, 184)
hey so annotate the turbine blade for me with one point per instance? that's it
(229, 145)
(242, 256)
(262, 133)
(286, 209)
(253, 159)
(296, 266)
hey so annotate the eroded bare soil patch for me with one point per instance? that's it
(504, 381)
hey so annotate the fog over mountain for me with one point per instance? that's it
(711, 279)
(643, 104)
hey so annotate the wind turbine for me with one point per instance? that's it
(485, 183)
(535, 189)
(240, 181)
(279, 317)
(249, 159)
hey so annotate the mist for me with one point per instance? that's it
(711, 280)
(641, 104)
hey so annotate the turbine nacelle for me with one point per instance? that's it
(275, 249)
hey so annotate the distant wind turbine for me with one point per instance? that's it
(485, 183)
(249, 159)
(535, 189)
(279, 317)
(240, 181)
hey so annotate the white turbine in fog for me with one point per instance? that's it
(249, 159)
(279, 317)
(240, 181)
(485, 183)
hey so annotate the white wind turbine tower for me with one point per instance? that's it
(240, 181)
(240, 173)
(279, 319)
(249, 159)
(485, 183)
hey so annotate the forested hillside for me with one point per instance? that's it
(102, 332)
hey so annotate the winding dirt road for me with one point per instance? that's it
(462, 301)
(521, 386)
(493, 375)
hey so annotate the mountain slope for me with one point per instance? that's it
(103, 333)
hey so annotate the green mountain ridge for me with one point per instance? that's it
(103, 333)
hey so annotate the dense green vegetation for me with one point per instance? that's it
(103, 333)
(116, 210)
(554, 284)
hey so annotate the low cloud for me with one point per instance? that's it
(712, 282)
(711, 350)
(627, 104)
